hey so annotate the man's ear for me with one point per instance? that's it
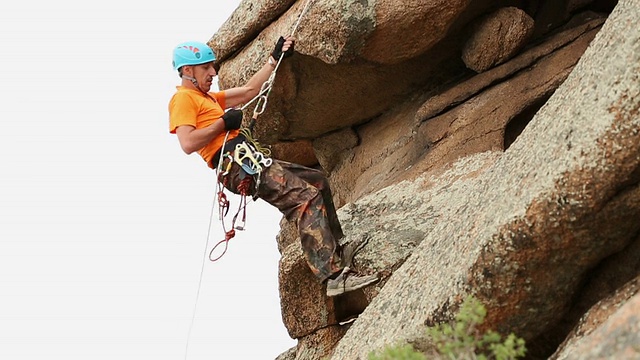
(187, 70)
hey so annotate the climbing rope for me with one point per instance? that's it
(265, 90)
(195, 306)
(250, 139)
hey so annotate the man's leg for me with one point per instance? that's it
(318, 180)
(285, 186)
(282, 186)
(299, 193)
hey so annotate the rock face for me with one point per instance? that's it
(478, 147)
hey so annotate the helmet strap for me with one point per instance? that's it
(193, 81)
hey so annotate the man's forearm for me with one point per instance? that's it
(256, 81)
(192, 139)
(243, 94)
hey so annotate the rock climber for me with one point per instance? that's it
(198, 118)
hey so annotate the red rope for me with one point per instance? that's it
(244, 186)
(223, 202)
(228, 236)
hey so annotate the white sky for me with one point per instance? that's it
(103, 219)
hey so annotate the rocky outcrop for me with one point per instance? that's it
(497, 38)
(249, 19)
(483, 112)
(516, 181)
(524, 231)
(609, 330)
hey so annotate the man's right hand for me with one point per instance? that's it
(232, 119)
(284, 48)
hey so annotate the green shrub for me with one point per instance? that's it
(461, 339)
(399, 352)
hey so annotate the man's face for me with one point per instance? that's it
(204, 74)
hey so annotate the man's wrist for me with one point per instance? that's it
(271, 61)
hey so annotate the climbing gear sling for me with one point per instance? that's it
(252, 159)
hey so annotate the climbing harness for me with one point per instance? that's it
(250, 156)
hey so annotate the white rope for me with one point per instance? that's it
(267, 85)
(195, 306)
(306, 7)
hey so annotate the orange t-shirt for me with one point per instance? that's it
(192, 107)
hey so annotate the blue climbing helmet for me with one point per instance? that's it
(192, 53)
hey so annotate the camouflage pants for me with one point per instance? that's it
(302, 195)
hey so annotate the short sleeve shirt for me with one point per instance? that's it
(193, 108)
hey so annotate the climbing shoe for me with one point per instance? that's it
(345, 282)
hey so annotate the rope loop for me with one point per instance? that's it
(227, 236)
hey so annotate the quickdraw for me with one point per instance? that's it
(223, 204)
